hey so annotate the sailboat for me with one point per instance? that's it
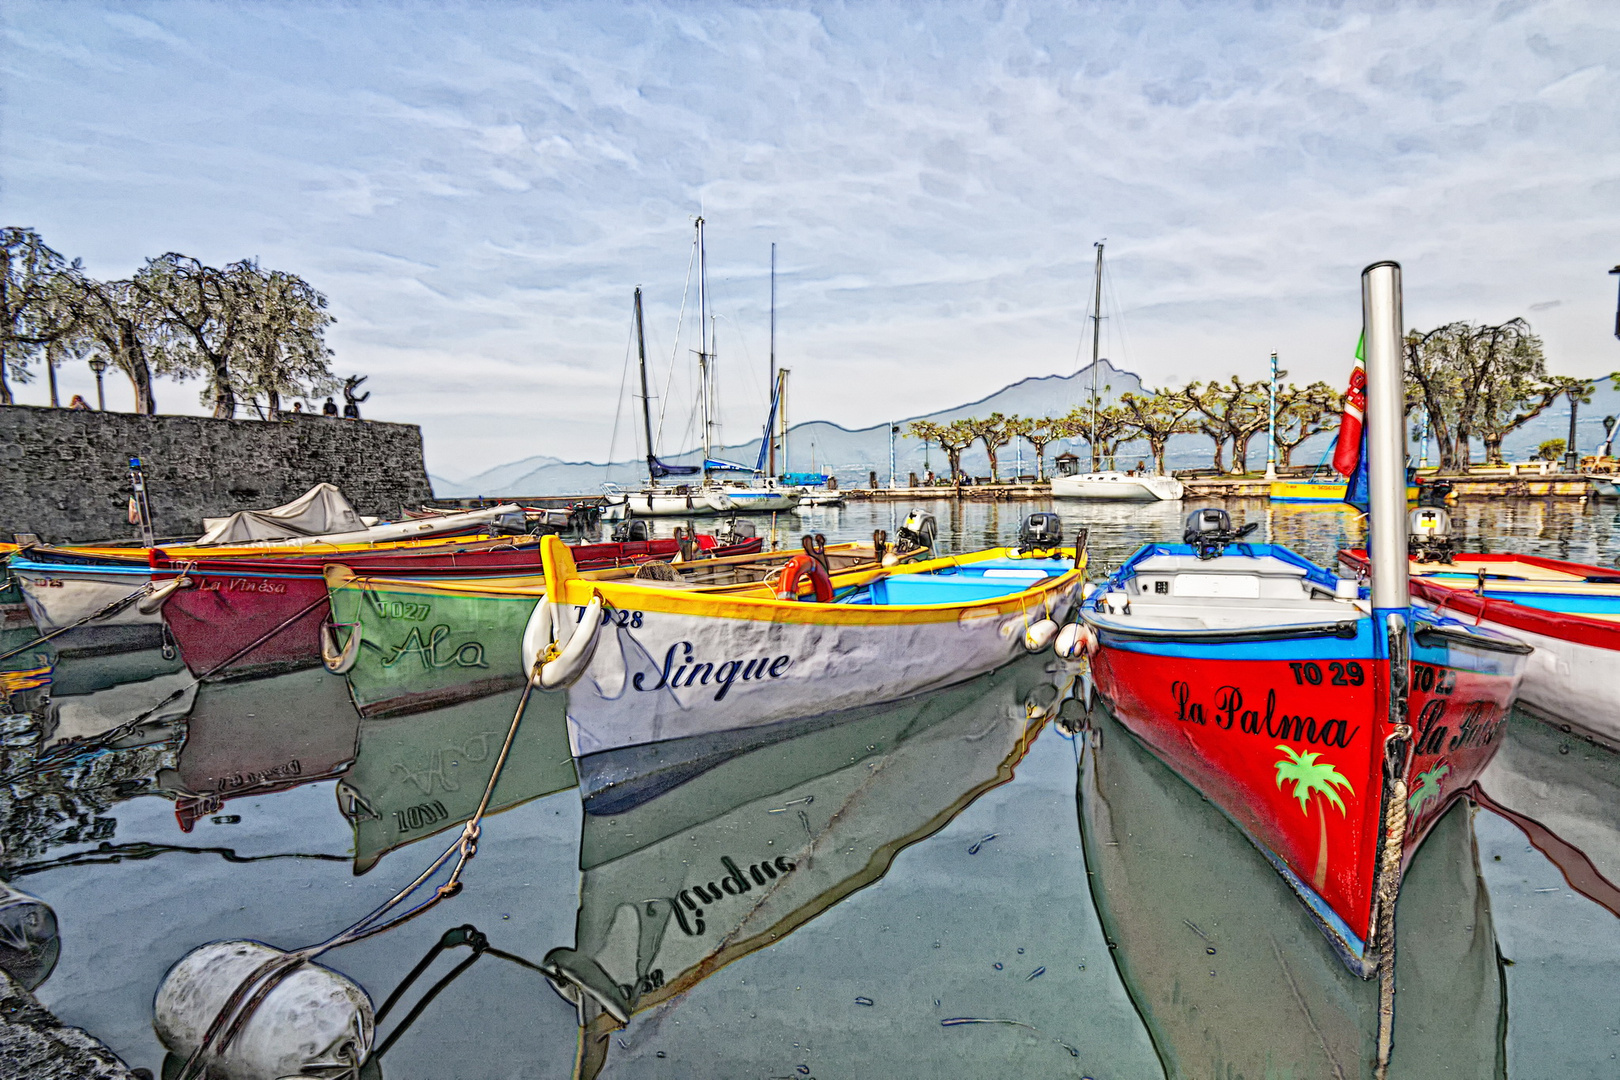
(680, 500)
(1333, 726)
(764, 494)
(1110, 484)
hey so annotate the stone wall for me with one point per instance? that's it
(64, 474)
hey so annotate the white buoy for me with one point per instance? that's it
(1073, 640)
(29, 945)
(313, 1023)
(1039, 635)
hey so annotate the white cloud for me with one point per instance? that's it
(478, 188)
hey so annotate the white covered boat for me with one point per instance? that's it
(1118, 487)
(682, 501)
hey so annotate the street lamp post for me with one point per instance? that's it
(1616, 270)
(98, 365)
(1271, 438)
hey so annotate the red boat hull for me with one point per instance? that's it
(1293, 751)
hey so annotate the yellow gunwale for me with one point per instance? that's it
(530, 586)
(579, 589)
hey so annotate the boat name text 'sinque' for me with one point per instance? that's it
(723, 674)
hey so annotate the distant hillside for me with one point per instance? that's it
(852, 455)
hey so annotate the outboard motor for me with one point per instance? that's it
(1209, 530)
(1428, 530)
(918, 533)
(631, 529)
(1040, 532)
(735, 531)
(513, 524)
(1434, 493)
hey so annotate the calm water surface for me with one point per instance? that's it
(961, 889)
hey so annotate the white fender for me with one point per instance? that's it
(570, 662)
(154, 600)
(536, 636)
(1072, 641)
(891, 559)
(339, 661)
(1039, 635)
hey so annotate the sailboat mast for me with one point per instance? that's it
(703, 347)
(646, 401)
(1096, 351)
(770, 426)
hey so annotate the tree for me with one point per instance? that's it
(1312, 778)
(283, 346)
(204, 313)
(1156, 417)
(1233, 410)
(31, 316)
(994, 432)
(1473, 377)
(113, 317)
(1303, 412)
(953, 438)
(1043, 431)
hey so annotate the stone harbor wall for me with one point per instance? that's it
(34, 1045)
(64, 473)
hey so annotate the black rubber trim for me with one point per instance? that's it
(1344, 630)
(1439, 635)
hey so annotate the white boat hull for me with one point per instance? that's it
(1605, 487)
(671, 674)
(669, 504)
(57, 600)
(1569, 682)
(1118, 487)
(746, 501)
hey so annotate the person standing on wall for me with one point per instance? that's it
(330, 408)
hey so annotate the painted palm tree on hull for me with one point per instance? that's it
(1312, 778)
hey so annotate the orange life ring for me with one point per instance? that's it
(794, 573)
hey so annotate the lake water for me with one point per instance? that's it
(960, 888)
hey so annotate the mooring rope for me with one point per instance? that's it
(245, 1000)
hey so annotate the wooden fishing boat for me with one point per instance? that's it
(662, 662)
(1318, 491)
(1332, 727)
(426, 643)
(1570, 613)
(65, 587)
(242, 618)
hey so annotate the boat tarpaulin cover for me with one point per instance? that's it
(320, 510)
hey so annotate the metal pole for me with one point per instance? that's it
(1382, 319)
(1096, 349)
(143, 506)
(893, 427)
(771, 435)
(1423, 454)
(1572, 454)
(1616, 270)
(703, 347)
(1271, 439)
(786, 466)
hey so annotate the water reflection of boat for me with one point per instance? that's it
(259, 736)
(1564, 793)
(732, 859)
(1228, 971)
(416, 776)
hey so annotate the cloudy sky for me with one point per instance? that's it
(479, 187)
